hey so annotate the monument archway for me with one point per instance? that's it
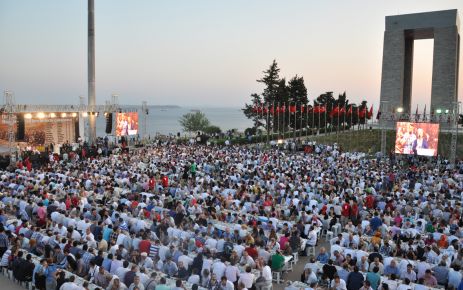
(397, 70)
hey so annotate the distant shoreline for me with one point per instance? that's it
(155, 106)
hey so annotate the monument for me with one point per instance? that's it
(399, 36)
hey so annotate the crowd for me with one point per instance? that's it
(172, 216)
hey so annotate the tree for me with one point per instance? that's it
(297, 96)
(192, 122)
(211, 129)
(273, 86)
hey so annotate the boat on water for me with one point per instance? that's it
(195, 111)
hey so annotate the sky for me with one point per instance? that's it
(204, 52)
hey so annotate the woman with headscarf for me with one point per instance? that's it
(443, 243)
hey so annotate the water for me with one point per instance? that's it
(165, 121)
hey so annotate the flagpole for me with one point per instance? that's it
(351, 113)
(289, 119)
(307, 118)
(295, 120)
(273, 119)
(278, 126)
(344, 118)
(284, 105)
(268, 129)
(300, 126)
(313, 117)
(325, 119)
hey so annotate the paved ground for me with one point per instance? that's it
(5, 283)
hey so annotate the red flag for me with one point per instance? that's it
(323, 109)
(363, 112)
(292, 109)
(278, 110)
(272, 110)
(283, 109)
(259, 109)
(349, 112)
(302, 108)
(370, 114)
(342, 110)
(335, 111)
(316, 109)
(265, 110)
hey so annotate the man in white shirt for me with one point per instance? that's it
(421, 268)
(338, 283)
(71, 285)
(121, 271)
(247, 278)
(185, 259)
(239, 249)
(247, 260)
(312, 237)
(232, 272)
(218, 268)
(211, 243)
(408, 274)
(226, 284)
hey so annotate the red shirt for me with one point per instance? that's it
(370, 201)
(252, 252)
(345, 211)
(144, 246)
(165, 181)
(354, 211)
(151, 183)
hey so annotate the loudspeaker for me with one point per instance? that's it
(20, 132)
(109, 123)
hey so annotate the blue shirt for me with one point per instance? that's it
(107, 233)
(50, 271)
(391, 270)
(323, 258)
(106, 264)
(375, 223)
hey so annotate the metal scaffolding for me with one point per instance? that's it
(10, 119)
(454, 133)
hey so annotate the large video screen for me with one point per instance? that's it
(126, 124)
(417, 138)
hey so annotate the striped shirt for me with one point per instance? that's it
(154, 250)
(4, 242)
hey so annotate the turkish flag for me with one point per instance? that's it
(292, 109)
(349, 112)
(370, 113)
(335, 111)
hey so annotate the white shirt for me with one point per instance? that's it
(267, 273)
(247, 279)
(70, 286)
(232, 273)
(218, 268)
(340, 286)
(185, 260)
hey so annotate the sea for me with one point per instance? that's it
(165, 119)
